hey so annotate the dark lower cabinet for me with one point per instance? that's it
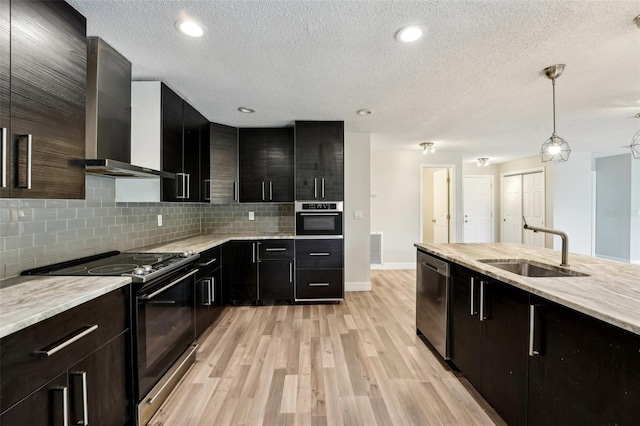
(582, 371)
(320, 270)
(209, 301)
(276, 280)
(46, 406)
(240, 269)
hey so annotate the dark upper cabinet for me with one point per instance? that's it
(582, 371)
(266, 164)
(185, 141)
(223, 143)
(42, 98)
(319, 160)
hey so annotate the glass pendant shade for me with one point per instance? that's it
(555, 150)
(635, 145)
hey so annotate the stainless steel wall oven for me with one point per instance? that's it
(320, 220)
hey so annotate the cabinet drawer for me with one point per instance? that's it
(320, 284)
(275, 249)
(319, 254)
(209, 261)
(24, 364)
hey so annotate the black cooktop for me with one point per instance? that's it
(140, 267)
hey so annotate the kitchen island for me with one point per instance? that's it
(543, 349)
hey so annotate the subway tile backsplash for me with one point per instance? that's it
(35, 233)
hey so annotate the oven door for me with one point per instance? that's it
(319, 223)
(165, 326)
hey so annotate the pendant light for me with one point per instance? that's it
(635, 141)
(555, 149)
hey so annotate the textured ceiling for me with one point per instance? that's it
(473, 84)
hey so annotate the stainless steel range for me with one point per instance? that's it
(162, 316)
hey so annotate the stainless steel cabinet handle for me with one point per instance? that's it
(208, 263)
(188, 185)
(235, 191)
(473, 290)
(534, 350)
(319, 254)
(290, 272)
(82, 377)
(85, 331)
(4, 157)
(207, 187)
(170, 379)
(180, 181)
(212, 283)
(206, 283)
(262, 190)
(253, 253)
(315, 187)
(60, 417)
(29, 140)
(276, 249)
(482, 317)
(270, 191)
(168, 286)
(322, 187)
(318, 284)
(318, 214)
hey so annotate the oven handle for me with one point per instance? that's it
(170, 379)
(168, 286)
(318, 214)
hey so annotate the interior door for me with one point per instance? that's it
(441, 206)
(478, 209)
(533, 207)
(511, 209)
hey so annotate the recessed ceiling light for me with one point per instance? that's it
(189, 27)
(246, 110)
(409, 34)
(364, 112)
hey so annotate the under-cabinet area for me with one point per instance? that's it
(532, 346)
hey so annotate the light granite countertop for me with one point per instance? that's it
(26, 300)
(610, 293)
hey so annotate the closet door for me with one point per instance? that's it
(533, 207)
(511, 209)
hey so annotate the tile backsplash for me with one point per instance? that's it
(35, 233)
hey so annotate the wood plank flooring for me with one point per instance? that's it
(355, 363)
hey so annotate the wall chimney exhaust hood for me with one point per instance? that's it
(108, 127)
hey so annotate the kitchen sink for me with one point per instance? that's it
(529, 268)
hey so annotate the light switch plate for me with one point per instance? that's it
(357, 214)
(252, 216)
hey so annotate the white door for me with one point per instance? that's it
(511, 209)
(533, 207)
(441, 206)
(478, 209)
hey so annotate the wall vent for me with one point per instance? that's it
(376, 248)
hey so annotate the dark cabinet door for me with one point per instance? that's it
(240, 267)
(266, 164)
(319, 160)
(504, 310)
(223, 141)
(276, 279)
(204, 157)
(192, 123)
(209, 301)
(465, 331)
(98, 386)
(172, 154)
(582, 370)
(46, 406)
(5, 99)
(48, 91)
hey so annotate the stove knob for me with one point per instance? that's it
(147, 268)
(187, 253)
(138, 271)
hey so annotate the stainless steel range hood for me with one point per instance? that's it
(108, 127)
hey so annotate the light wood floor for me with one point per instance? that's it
(355, 363)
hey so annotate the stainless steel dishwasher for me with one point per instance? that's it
(432, 301)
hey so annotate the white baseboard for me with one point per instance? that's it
(409, 265)
(357, 286)
(637, 262)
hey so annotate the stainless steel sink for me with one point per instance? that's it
(529, 268)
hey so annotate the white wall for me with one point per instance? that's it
(356, 198)
(635, 211)
(395, 202)
(572, 202)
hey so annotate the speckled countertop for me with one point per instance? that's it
(26, 300)
(610, 293)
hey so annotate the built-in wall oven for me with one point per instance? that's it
(162, 316)
(320, 220)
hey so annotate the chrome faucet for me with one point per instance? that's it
(564, 236)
